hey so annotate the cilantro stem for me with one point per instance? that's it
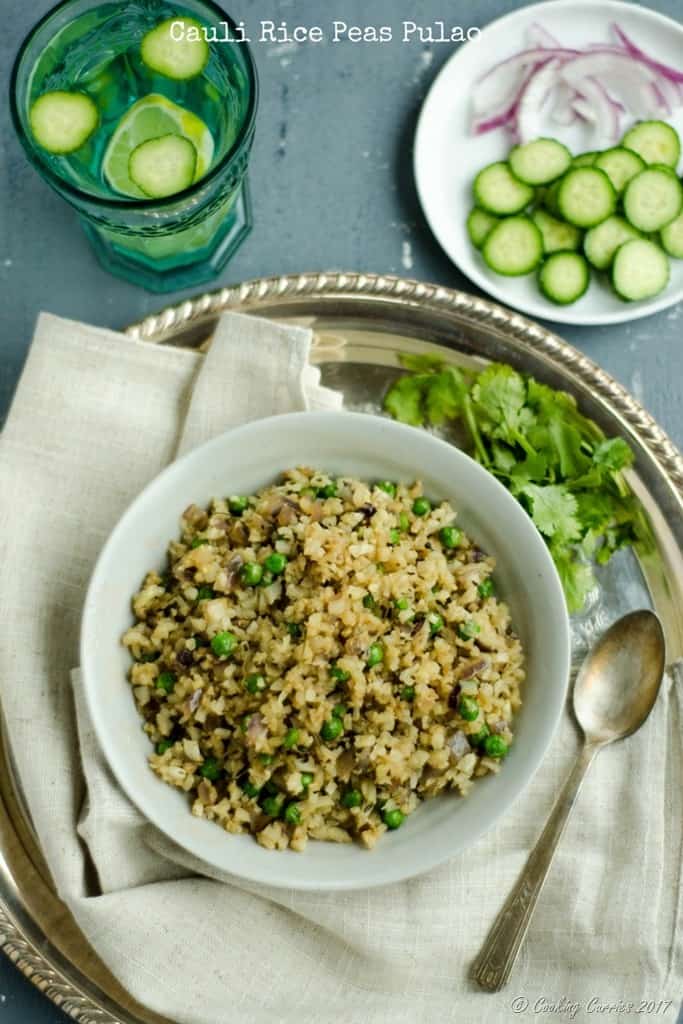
(473, 427)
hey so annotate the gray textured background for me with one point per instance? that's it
(332, 188)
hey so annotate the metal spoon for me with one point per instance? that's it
(614, 692)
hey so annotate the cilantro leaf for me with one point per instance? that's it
(554, 511)
(499, 396)
(405, 397)
(420, 362)
(532, 469)
(576, 576)
(613, 455)
(444, 393)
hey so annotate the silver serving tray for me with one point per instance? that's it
(361, 323)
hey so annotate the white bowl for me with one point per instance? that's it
(368, 447)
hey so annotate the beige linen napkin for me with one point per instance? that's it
(95, 417)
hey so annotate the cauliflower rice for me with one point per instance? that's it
(320, 657)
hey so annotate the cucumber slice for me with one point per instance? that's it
(620, 165)
(653, 199)
(586, 196)
(557, 236)
(564, 277)
(513, 247)
(640, 270)
(496, 190)
(162, 167)
(62, 122)
(672, 237)
(655, 141)
(176, 48)
(479, 223)
(540, 161)
(585, 159)
(602, 241)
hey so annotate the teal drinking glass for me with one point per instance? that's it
(87, 47)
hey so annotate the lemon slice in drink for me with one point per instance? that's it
(150, 118)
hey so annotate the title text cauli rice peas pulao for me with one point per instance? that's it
(320, 657)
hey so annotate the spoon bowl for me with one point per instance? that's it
(619, 680)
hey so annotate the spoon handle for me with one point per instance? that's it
(492, 967)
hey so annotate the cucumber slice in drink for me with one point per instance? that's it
(162, 167)
(540, 161)
(479, 223)
(602, 241)
(620, 165)
(672, 237)
(586, 197)
(176, 48)
(655, 141)
(513, 247)
(564, 277)
(497, 191)
(653, 199)
(62, 122)
(640, 270)
(557, 236)
(150, 118)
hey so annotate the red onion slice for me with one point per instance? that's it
(673, 74)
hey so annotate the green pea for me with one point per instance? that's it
(272, 805)
(166, 681)
(408, 693)
(205, 594)
(292, 814)
(251, 574)
(308, 491)
(387, 486)
(328, 491)
(394, 536)
(340, 674)
(267, 578)
(478, 738)
(306, 780)
(250, 790)
(276, 563)
(339, 710)
(370, 603)
(238, 504)
(402, 604)
(393, 819)
(254, 683)
(295, 630)
(468, 630)
(332, 729)
(244, 724)
(163, 745)
(486, 588)
(436, 623)
(375, 655)
(291, 739)
(223, 644)
(266, 759)
(352, 798)
(468, 708)
(198, 541)
(211, 769)
(403, 522)
(422, 506)
(450, 536)
(494, 746)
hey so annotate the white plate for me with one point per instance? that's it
(371, 448)
(447, 156)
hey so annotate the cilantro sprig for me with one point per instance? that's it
(553, 459)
